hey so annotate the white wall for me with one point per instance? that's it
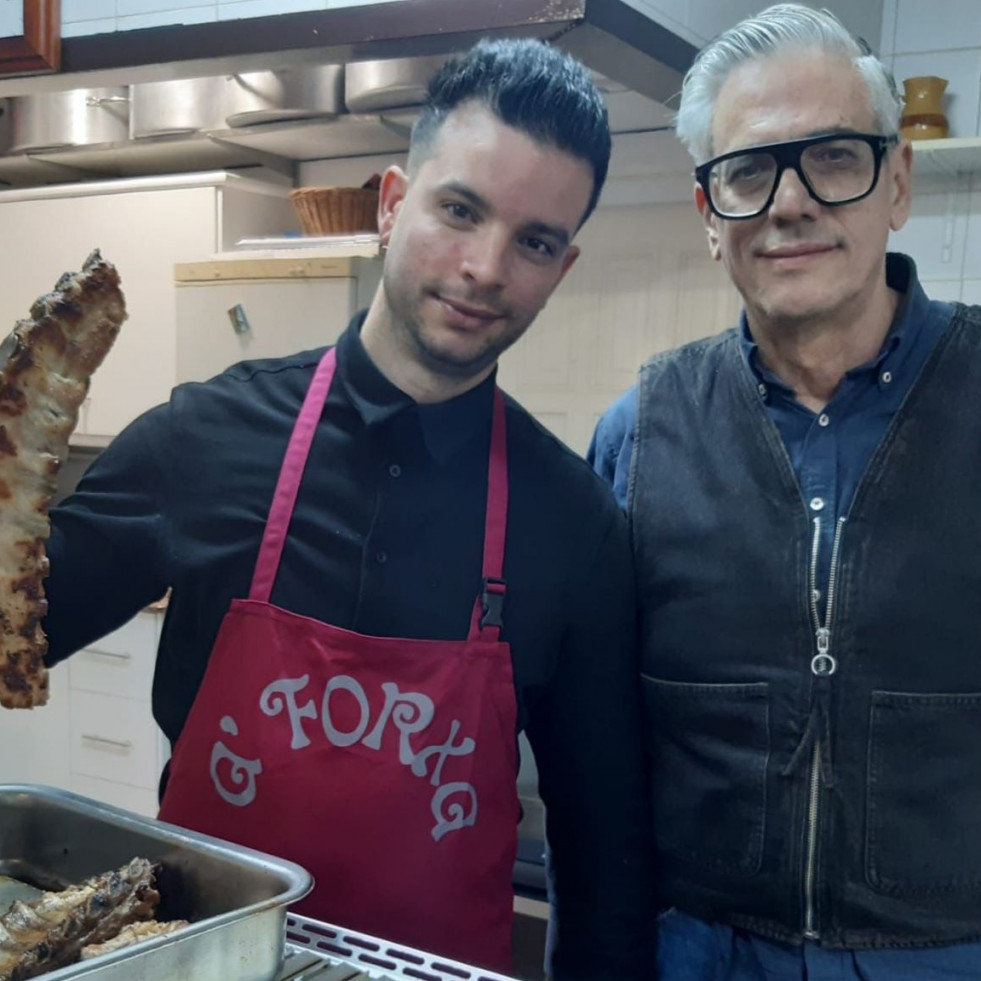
(11, 18)
(695, 20)
(942, 37)
(83, 17)
(645, 282)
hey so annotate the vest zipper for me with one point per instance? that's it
(823, 665)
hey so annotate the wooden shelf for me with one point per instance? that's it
(950, 158)
(249, 267)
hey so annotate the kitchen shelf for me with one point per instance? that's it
(317, 139)
(156, 155)
(246, 267)
(134, 158)
(950, 158)
(276, 145)
(23, 170)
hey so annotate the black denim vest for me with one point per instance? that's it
(884, 835)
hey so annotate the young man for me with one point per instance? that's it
(803, 500)
(382, 569)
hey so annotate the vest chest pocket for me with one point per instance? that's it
(924, 794)
(710, 744)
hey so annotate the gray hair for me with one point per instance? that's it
(786, 26)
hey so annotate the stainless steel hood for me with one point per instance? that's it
(610, 36)
(638, 63)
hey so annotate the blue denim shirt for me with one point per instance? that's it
(831, 449)
(829, 452)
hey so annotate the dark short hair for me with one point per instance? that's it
(530, 86)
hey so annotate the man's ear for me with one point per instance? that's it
(899, 170)
(711, 223)
(394, 185)
(568, 261)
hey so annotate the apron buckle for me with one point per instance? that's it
(492, 602)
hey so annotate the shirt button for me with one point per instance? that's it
(817, 503)
(823, 419)
(395, 470)
(886, 377)
(761, 388)
(381, 557)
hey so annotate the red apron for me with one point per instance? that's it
(386, 767)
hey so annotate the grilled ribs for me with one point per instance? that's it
(45, 367)
(50, 932)
(133, 934)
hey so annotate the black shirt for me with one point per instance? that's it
(387, 539)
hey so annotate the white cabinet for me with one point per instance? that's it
(286, 305)
(115, 750)
(96, 736)
(143, 226)
(34, 743)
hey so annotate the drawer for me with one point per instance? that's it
(137, 799)
(114, 739)
(35, 744)
(121, 663)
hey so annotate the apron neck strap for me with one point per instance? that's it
(290, 476)
(486, 620)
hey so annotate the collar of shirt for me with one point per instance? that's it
(446, 426)
(917, 319)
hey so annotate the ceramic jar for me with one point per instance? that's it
(923, 112)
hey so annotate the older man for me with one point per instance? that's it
(803, 491)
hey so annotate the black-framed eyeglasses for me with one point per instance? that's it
(836, 168)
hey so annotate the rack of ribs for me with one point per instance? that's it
(45, 367)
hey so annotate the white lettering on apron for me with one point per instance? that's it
(410, 711)
(456, 816)
(345, 683)
(463, 748)
(243, 770)
(281, 694)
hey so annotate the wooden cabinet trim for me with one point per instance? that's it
(38, 49)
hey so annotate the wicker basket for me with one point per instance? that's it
(336, 210)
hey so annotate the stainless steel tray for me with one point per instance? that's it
(235, 898)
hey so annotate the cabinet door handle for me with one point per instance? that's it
(112, 654)
(102, 740)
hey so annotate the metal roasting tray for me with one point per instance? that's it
(235, 898)
(322, 952)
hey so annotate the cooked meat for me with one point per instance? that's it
(132, 934)
(51, 931)
(45, 367)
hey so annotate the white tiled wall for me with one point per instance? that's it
(11, 18)
(84, 17)
(942, 37)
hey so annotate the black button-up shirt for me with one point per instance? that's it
(387, 540)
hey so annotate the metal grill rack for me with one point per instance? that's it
(314, 948)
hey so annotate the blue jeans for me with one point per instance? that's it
(689, 949)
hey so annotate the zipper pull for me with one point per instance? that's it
(823, 664)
